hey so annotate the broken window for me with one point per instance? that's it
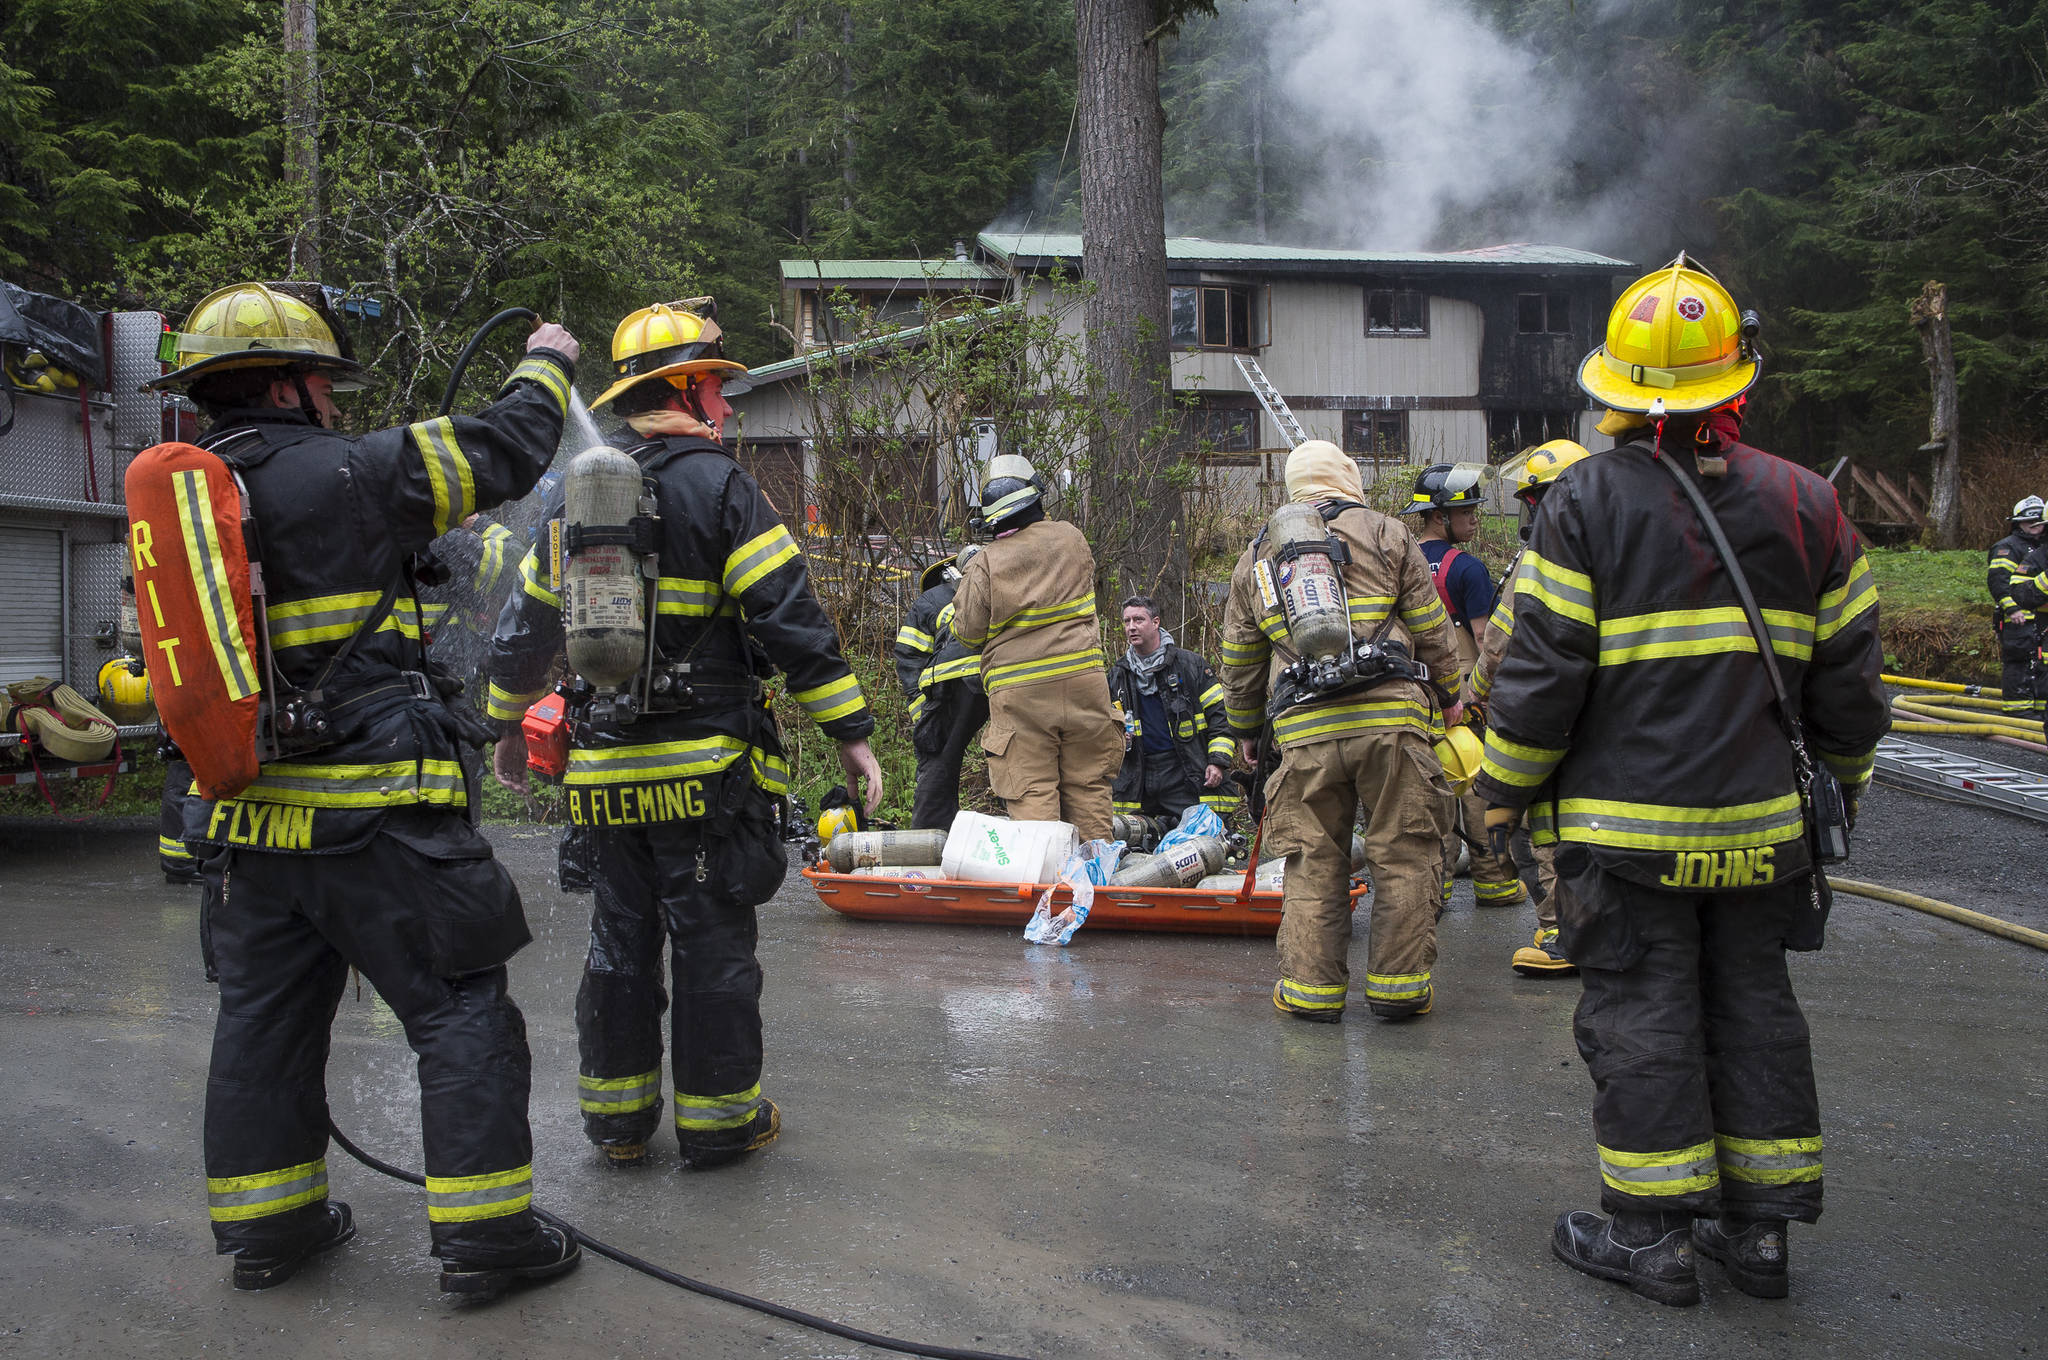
(1544, 313)
(1377, 436)
(1396, 311)
(1217, 316)
(1509, 432)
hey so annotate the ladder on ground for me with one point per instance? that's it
(1270, 398)
(1927, 769)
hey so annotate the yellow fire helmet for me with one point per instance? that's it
(259, 325)
(832, 821)
(1532, 469)
(124, 692)
(1460, 751)
(670, 340)
(1675, 344)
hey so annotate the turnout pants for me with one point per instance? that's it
(1164, 790)
(692, 886)
(171, 855)
(429, 918)
(2020, 678)
(1702, 1069)
(959, 720)
(1053, 751)
(1312, 805)
(1495, 881)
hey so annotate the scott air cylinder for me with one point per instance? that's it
(604, 616)
(1306, 581)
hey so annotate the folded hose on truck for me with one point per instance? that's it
(1948, 911)
(648, 1268)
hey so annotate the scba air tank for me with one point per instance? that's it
(1310, 589)
(604, 599)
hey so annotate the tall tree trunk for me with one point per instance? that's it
(302, 131)
(1123, 218)
(1945, 491)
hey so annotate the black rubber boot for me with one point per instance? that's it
(1332, 1016)
(702, 1155)
(553, 1253)
(1755, 1253)
(622, 1152)
(1650, 1253)
(261, 1272)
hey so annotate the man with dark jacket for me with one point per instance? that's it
(679, 797)
(1177, 747)
(1634, 722)
(942, 680)
(2015, 617)
(356, 850)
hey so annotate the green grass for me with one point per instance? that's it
(1916, 578)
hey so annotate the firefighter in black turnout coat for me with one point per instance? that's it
(358, 852)
(942, 680)
(678, 798)
(1633, 719)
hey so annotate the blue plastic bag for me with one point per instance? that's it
(1199, 820)
(1087, 869)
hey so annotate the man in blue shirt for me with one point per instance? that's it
(1447, 499)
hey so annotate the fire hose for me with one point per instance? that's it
(1946, 910)
(653, 1271)
(469, 352)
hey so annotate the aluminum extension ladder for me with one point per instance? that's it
(1930, 770)
(1270, 398)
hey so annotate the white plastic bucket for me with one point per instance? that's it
(997, 850)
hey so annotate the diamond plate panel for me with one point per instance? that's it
(95, 609)
(44, 455)
(138, 415)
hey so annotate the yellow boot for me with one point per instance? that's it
(1543, 958)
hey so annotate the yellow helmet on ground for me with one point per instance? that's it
(1460, 752)
(834, 820)
(259, 325)
(124, 692)
(1533, 469)
(1675, 343)
(669, 340)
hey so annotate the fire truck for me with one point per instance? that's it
(72, 415)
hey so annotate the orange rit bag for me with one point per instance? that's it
(200, 638)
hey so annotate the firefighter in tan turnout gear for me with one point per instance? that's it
(1364, 742)
(1531, 475)
(1634, 720)
(1026, 603)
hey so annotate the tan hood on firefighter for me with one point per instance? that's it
(1318, 470)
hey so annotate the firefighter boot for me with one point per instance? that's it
(551, 1252)
(701, 1154)
(1543, 958)
(623, 1151)
(1753, 1252)
(1322, 1014)
(1650, 1253)
(335, 1227)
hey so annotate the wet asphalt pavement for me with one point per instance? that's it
(1117, 1149)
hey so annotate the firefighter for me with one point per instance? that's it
(358, 852)
(679, 800)
(1632, 719)
(1446, 499)
(1369, 747)
(2015, 620)
(1531, 476)
(1026, 605)
(1177, 743)
(942, 680)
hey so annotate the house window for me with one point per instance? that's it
(1377, 436)
(1218, 316)
(1509, 432)
(1396, 311)
(1544, 313)
(1220, 429)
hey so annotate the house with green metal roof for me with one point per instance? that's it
(1399, 357)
